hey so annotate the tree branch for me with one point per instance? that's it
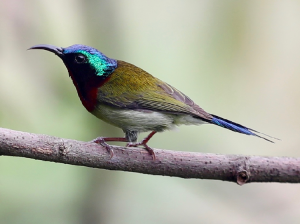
(234, 168)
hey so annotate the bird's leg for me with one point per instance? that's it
(102, 141)
(144, 143)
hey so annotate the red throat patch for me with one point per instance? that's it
(88, 92)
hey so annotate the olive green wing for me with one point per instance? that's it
(132, 88)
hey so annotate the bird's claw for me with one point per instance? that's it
(101, 141)
(142, 143)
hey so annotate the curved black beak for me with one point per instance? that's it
(56, 50)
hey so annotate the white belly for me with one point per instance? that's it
(142, 120)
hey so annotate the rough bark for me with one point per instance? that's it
(234, 168)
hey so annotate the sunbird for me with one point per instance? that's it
(128, 97)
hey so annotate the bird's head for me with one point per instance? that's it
(83, 62)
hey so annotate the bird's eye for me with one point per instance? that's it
(79, 59)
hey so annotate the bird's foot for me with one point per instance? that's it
(101, 141)
(143, 143)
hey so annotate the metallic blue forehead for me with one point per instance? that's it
(79, 47)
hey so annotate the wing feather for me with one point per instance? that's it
(137, 89)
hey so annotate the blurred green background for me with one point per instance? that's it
(236, 59)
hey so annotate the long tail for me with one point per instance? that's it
(237, 127)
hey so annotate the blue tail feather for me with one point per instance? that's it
(236, 127)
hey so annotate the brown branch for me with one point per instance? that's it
(234, 168)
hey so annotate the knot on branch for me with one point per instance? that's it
(242, 177)
(62, 149)
(243, 172)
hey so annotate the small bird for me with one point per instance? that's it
(128, 97)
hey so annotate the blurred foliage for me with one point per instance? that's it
(236, 59)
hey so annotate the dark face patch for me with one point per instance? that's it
(87, 65)
(88, 69)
